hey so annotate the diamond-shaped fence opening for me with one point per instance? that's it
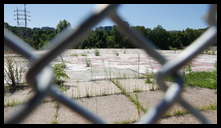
(40, 74)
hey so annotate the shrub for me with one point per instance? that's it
(60, 74)
(12, 74)
(149, 78)
(97, 53)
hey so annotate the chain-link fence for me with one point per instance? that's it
(40, 76)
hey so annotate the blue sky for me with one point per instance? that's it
(170, 16)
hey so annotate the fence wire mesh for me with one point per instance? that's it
(40, 75)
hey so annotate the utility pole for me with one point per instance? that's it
(25, 14)
(22, 16)
(16, 14)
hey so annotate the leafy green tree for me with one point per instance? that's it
(141, 29)
(160, 37)
(62, 25)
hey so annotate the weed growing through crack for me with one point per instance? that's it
(91, 70)
(116, 53)
(176, 113)
(124, 51)
(130, 97)
(138, 106)
(125, 122)
(12, 103)
(78, 93)
(83, 54)
(88, 62)
(97, 53)
(87, 92)
(136, 89)
(54, 122)
(110, 73)
(209, 52)
(150, 78)
(138, 63)
(184, 112)
(125, 76)
(188, 69)
(209, 107)
(57, 107)
(172, 48)
(107, 72)
(74, 54)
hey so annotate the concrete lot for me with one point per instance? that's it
(105, 98)
(130, 63)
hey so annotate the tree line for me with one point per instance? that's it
(109, 36)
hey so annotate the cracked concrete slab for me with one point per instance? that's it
(44, 114)
(111, 108)
(116, 108)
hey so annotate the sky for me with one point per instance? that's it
(170, 16)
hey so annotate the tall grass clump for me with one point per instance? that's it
(203, 79)
(150, 78)
(12, 74)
